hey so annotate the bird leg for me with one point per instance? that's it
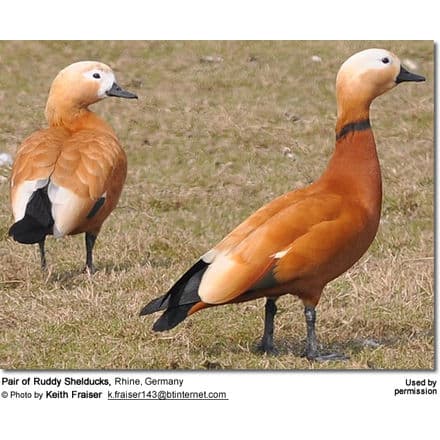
(42, 254)
(90, 242)
(312, 353)
(266, 344)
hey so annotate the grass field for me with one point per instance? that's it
(219, 129)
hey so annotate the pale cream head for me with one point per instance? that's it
(79, 85)
(365, 76)
(83, 83)
(368, 73)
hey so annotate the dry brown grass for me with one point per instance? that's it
(207, 144)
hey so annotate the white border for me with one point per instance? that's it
(262, 405)
(215, 19)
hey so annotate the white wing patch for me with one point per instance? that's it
(64, 206)
(214, 277)
(280, 254)
(23, 195)
(209, 257)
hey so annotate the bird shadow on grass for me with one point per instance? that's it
(109, 267)
(81, 272)
(350, 347)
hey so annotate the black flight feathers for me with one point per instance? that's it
(37, 221)
(96, 207)
(178, 300)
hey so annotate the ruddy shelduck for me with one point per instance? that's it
(302, 240)
(67, 178)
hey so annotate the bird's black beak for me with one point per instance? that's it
(404, 75)
(119, 92)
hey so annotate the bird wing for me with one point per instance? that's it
(258, 218)
(260, 244)
(81, 177)
(327, 249)
(34, 163)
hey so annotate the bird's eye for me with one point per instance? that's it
(385, 60)
(96, 75)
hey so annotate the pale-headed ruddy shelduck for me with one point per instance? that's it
(302, 240)
(67, 179)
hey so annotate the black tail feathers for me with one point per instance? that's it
(178, 300)
(157, 304)
(37, 221)
(172, 317)
(28, 231)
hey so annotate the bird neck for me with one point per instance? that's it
(352, 107)
(355, 149)
(75, 117)
(354, 167)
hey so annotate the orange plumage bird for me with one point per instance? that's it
(302, 240)
(67, 179)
